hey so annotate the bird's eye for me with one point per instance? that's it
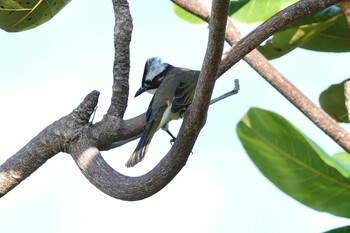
(148, 82)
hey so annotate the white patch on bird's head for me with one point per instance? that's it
(153, 67)
(153, 74)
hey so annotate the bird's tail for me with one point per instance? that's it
(142, 146)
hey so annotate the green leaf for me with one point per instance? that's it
(236, 5)
(20, 15)
(345, 229)
(332, 101)
(335, 38)
(259, 10)
(326, 30)
(292, 37)
(294, 163)
(187, 16)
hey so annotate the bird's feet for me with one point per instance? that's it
(173, 138)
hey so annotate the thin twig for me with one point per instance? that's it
(227, 94)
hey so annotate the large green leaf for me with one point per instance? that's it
(20, 15)
(294, 163)
(260, 10)
(332, 101)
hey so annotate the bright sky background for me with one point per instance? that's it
(46, 72)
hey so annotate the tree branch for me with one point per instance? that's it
(73, 132)
(347, 97)
(109, 181)
(121, 67)
(117, 185)
(55, 138)
(257, 61)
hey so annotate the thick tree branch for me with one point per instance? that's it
(122, 38)
(105, 178)
(208, 75)
(55, 138)
(73, 131)
(118, 185)
(257, 61)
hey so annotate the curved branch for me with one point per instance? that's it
(109, 181)
(135, 188)
(119, 186)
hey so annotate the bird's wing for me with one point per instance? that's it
(149, 111)
(183, 96)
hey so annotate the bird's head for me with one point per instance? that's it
(153, 74)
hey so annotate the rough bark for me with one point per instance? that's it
(121, 66)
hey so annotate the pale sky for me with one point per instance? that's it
(46, 72)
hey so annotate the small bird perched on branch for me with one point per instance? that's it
(173, 89)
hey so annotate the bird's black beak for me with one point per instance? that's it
(140, 91)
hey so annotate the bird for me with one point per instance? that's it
(173, 89)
